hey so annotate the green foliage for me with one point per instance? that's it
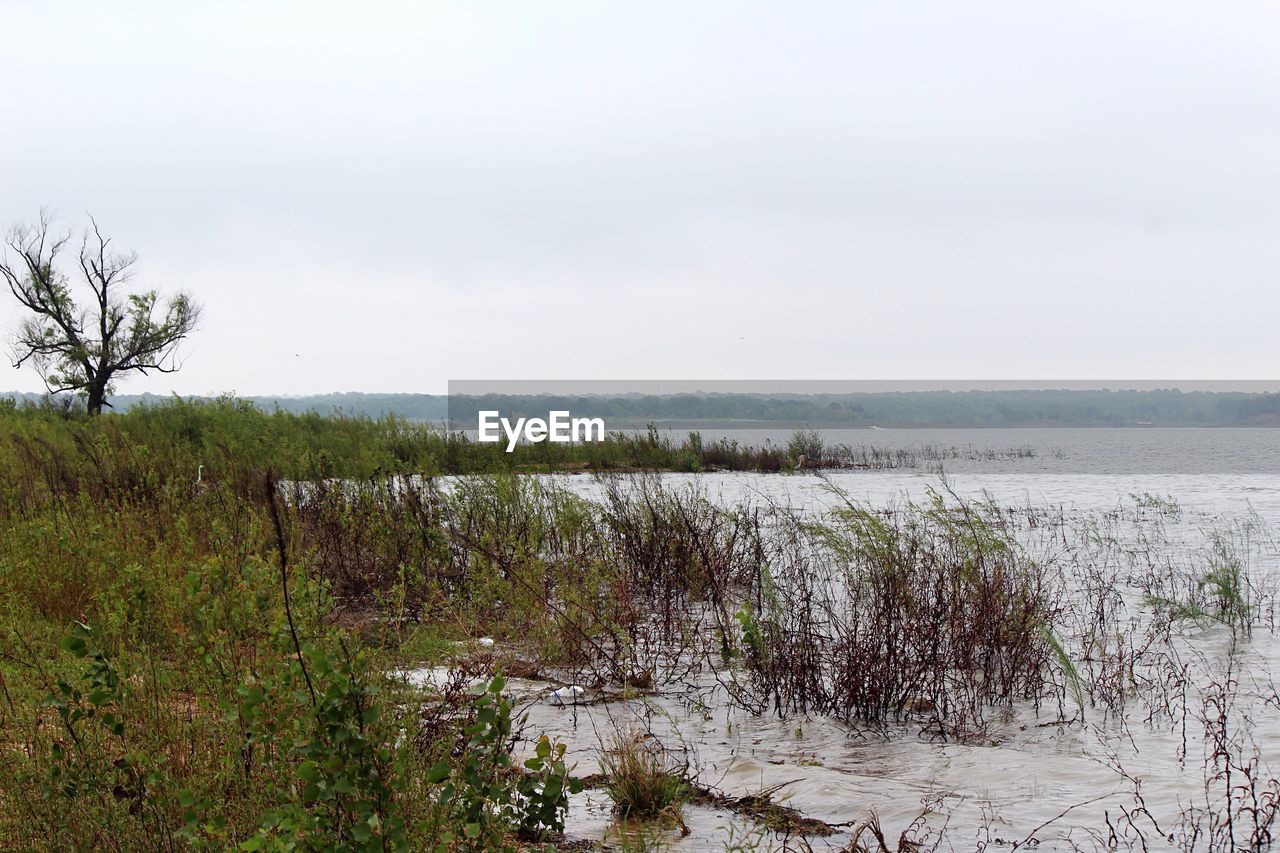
(1166, 505)
(85, 348)
(171, 444)
(97, 767)
(485, 793)
(752, 636)
(82, 761)
(345, 779)
(806, 446)
(930, 609)
(183, 717)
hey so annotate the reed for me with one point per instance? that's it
(929, 611)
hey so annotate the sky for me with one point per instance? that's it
(385, 197)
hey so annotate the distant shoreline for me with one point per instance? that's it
(871, 411)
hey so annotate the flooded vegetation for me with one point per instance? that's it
(208, 644)
(952, 624)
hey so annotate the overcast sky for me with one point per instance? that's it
(382, 197)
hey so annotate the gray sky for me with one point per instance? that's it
(387, 196)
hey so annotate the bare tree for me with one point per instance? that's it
(86, 349)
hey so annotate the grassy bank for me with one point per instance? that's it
(223, 437)
(176, 671)
(217, 439)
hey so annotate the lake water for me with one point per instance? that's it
(1061, 450)
(1028, 769)
(1211, 470)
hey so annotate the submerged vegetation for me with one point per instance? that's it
(210, 613)
(929, 610)
(642, 779)
(1221, 594)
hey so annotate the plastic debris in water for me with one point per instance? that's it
(567, 695)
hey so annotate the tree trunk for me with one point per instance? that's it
(97, 396)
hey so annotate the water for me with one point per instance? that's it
(1138, 451)
(1027, 770)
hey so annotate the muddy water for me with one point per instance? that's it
(1025, 772)
(1029, 775)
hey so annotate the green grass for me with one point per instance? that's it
(220, 437)
(641, 778)
(176, 670)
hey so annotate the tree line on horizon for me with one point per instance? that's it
(918, 409)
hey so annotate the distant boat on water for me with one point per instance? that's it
(1144, 423)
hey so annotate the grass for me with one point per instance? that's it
(1219, 595)
(873, 616)
(218, 438)
(179, 667)
(642, 778)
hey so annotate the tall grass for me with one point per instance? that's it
(178, 668)
(929, 610)
(641, 777)
(218, 438)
